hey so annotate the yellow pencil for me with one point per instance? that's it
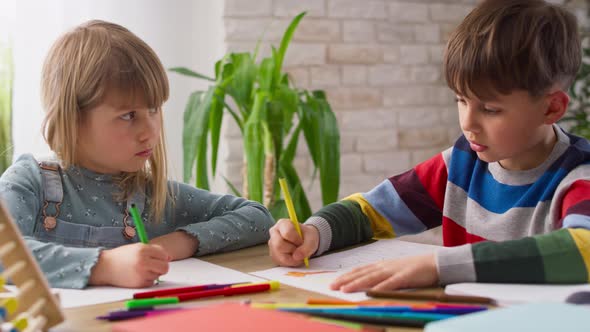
(291, 209)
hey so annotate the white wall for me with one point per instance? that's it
(7, 19)
(182, 33)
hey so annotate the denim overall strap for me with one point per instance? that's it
(52, 192)
(137, 199)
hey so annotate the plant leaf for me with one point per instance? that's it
(235, 116)
(254, 147)
(280, 54)
(232, 187)
(6, 82)
(215, 120)
(329, 155)
(300, 200)
(279, 210)
(187, 72)
(189, 141)
(265, 73)
(195, 136)
(309, 115)
(243, 78)
(289, 153)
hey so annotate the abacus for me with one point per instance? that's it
(32, 307)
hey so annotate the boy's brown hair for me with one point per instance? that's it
(506, 45)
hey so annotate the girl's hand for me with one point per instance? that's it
(134, 265)
(409, 272)
(285, 245)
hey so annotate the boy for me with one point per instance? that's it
(513, 193)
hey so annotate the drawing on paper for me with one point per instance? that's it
(301, 274)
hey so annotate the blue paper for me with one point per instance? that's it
(538, 317)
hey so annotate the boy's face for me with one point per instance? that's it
(514, 129)
(117, 135)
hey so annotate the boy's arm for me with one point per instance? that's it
(562, 256)
(408, 203)
(219, 222)
(20, 191)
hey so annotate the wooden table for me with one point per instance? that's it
(245, 260)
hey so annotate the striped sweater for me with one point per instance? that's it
(498, 225)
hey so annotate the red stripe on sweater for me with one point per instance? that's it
(433, 176)
(577, 192)
(456, 235)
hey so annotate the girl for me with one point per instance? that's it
(103, 90)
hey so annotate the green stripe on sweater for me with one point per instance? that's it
(511, 261)
(348, 223)
(561, 258)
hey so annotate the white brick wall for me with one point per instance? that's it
(248, 8)
(380, 62)
(370, 9)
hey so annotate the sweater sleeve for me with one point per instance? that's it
(561, 256)
(21, 193)
(408, 203)
(220, 222)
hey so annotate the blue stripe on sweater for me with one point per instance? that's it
(495, 196)
(385, 200)
(579, 142)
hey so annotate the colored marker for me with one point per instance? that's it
(292, 214)
(123, 315)
(227, 291)
(140, 227)
(232, 290)
(433, 297)
(142, 303)
(357, 312)
(457, 306)
(138, 224)
(258, 305)
(179, 290)
(447, 311)
(405, 321)
(367, 302)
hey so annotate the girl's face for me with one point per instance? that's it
(117, 136)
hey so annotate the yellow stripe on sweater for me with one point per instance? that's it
(582, 239)
(381, 227)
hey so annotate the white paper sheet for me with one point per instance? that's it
(342, 262)
(188, 272)
(510, 294)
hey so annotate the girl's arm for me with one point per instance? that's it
(218, 222)
(20, 191)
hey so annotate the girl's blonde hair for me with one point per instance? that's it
(80, 68)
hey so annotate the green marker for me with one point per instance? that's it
(138, 224)
(140, 228)
(144, 303)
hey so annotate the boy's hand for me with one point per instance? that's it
(285, 245)
(409, 272)
(179, 244)
(134, 265)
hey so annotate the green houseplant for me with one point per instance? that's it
(271, 114)
(5, 107)
(579, 107)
